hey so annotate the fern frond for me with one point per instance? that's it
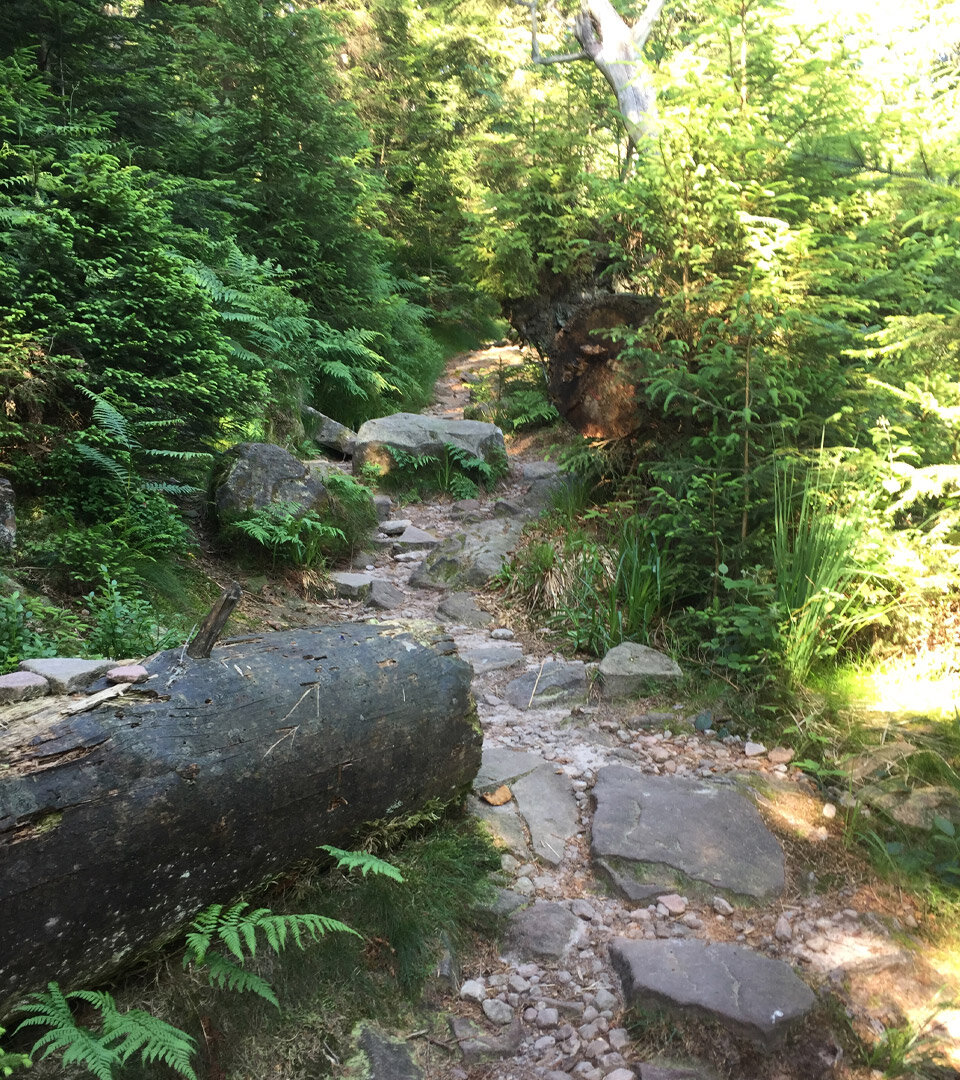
(362, 861)
(95, 457)
(136, 1031)
(111, 420)
(224, 974)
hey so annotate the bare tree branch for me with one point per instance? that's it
(535, 54)
(643, 27)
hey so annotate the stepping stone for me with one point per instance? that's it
(543, 931)
(545, 798)
(349, 586)
(395, 526)
(750, 994)
(552, 683)
(384, 596)
(22, 686)
(461, 608)
(411, 538)
(673, 830)
(470, 558)
(66, 675)
(504, 825)
(628, 667)
(486, 658)
(477, 1045)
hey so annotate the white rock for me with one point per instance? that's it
(754, 749)
(501, 634)
(783, 930)
(722, 906)
(829, 811)
(473, 990)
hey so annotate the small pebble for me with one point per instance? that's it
(829, 810)
(501, 634)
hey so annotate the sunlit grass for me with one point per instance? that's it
(924, 685)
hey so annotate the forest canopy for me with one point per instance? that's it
(214, 213)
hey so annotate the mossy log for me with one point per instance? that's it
(119, 824)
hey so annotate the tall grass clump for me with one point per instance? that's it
(823, 584)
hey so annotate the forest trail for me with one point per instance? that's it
(686, 905)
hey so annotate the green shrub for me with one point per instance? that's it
(31, 628)
(123, 624)
(456, 472)
(288, 534)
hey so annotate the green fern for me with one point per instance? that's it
(9, 1062)
(362, 861)
(238, 930)
(122, 1034)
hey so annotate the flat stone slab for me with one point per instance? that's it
(22, 686)
(486, 658)
(676, 830)
(750, 994)
(413, 538)
(350, 586)
(544, 797)
(395, 526)
(460, 607)
(627, 667)
(543, 931)
(66, 675)
(470, 558)
(554, 682)
(131, 673)
(504, 825)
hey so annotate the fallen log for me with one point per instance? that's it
(119, 823)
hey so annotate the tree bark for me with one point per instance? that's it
(119, 824)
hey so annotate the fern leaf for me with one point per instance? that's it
(362, 861)
(95, 457)
(110, 419)
(136, 1031)
(224, 974)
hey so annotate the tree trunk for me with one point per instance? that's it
(119, 824)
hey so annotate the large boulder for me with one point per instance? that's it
(328, 433)
(252, 476)
(427, 436)
(8, 518)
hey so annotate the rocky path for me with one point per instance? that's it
(645, 862)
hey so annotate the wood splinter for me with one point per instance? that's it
(206, 637)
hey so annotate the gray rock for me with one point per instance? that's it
(66, 675)
(461, 608)
(383, 505)
(671, 826)
(476, 1045)
(544, 931)
(384, 595)
(424, 435)
(473, 990)
(486, 658)
(544, 797)
(349, 586)
(548, 806)
(22, 686)
(750, 994)
(413, 538)
(506, 902)
(328, 433)
(506, 508)
(252, 476)
(380, 1056)
(504, 825)
(395, 526)
(539, 470)
(470, 558)
(502, 633)
(627, 667)
(8, 518)
(553, 682)
(497, 1011)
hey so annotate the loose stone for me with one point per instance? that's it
(497, 1011)
(722, 906)
(473, 990)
